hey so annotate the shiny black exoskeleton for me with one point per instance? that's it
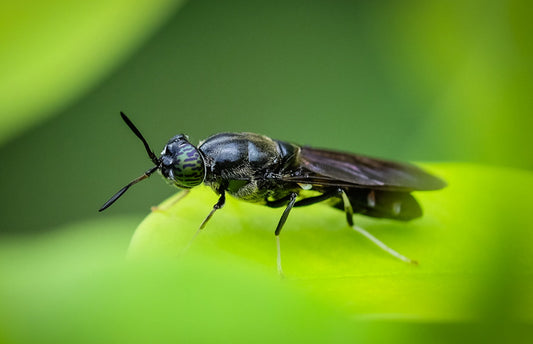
(258, 169)
(246, 165)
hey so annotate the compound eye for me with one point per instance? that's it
(188, 167)
(182, 163)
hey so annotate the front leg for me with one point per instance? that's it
(220, 203)
(161, 209)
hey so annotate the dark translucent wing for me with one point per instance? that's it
(331, 168)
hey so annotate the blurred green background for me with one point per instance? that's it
(410, 80)
(405, 80)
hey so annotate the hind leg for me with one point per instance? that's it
(349, 217)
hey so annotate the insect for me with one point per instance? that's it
(258, 169)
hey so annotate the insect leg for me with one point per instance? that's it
(303, 202)
(292, 200)
(181, 195)
(220, 203)
(316, 199)
(349, 217)
(278, 203)
(347, 207)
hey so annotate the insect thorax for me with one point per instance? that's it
(241, 163)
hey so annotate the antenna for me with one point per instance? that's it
(124, 189)
(133, 128)
(145, 175)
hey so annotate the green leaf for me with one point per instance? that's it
(74, 286)
(473, 246)
(52, 51)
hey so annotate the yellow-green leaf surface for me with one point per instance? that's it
(473, 245)
(52, 51)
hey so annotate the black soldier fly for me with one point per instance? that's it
(258, 169)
